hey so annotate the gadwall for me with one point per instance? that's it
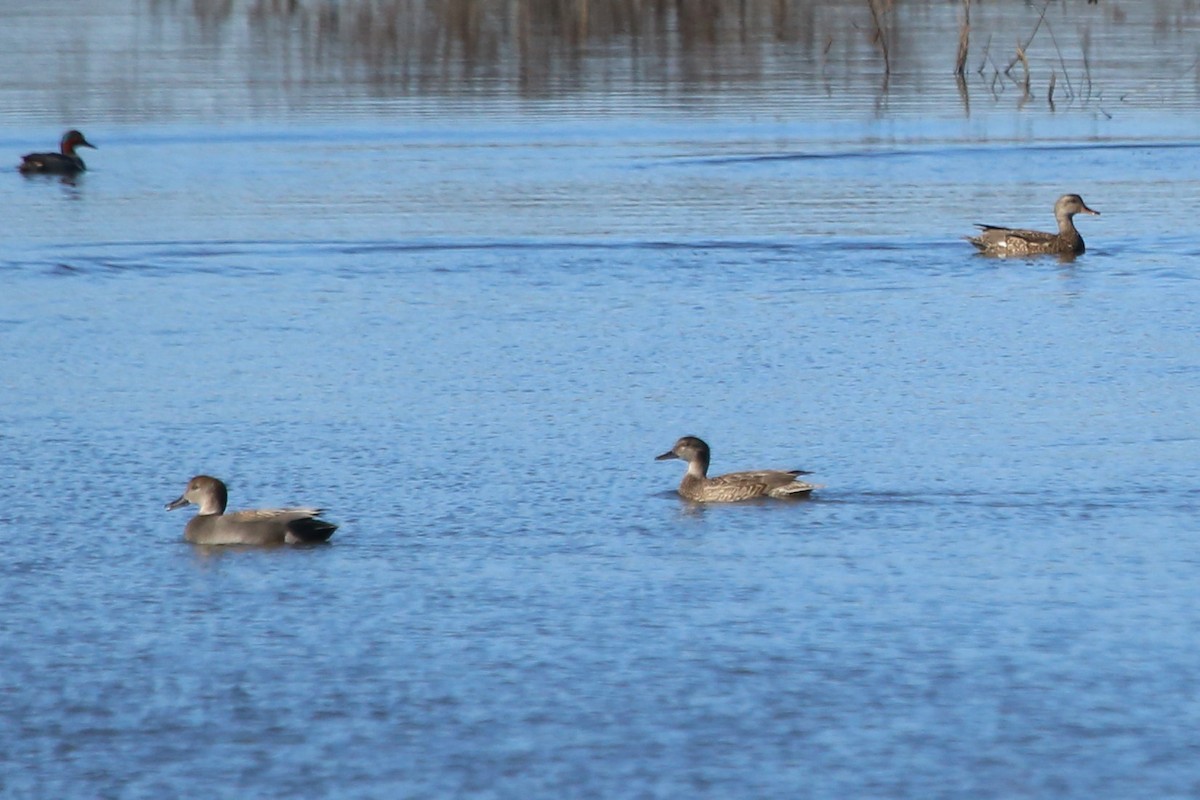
(212, 525)
(997, 241)
(699, 488)
(62, 163)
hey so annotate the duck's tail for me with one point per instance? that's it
(309, 530)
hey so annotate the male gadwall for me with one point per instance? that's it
(63, 163)
(699, 488)
(261, 527)
(997, 241)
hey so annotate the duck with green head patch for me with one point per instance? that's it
(64, 162)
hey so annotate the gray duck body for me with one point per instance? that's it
(734, 486)
(998, 241)
(212, 526)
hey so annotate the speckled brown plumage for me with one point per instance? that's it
(998, 241)
(734, 486)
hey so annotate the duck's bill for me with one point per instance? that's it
(666, 455)
(178, 502)
(1087, 210)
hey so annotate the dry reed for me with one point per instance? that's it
(964, 39)
(1025, 65)
(877, 15)
(1021, 48)
(544, 46)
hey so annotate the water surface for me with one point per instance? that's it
(463, 312)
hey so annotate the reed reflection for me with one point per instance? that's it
(544, 48)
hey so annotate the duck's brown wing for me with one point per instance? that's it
(274, 514)
(49, 162)
(758, 483)
(34, 162)
(263, 526)
(1033, 237)
(290, 524)
(994, 239)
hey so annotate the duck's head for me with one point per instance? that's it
(691, 449)
(1071, 204)
(205, 491)
(71, 140)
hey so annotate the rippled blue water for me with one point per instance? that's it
(467, 335)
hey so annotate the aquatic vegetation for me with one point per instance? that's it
(1065, 53)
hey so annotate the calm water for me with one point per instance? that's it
(463, 309)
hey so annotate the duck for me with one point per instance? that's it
(65, 162)
(212, 526)
(734, 486)
(997, 241)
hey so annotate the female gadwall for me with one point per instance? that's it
(699, 488)
(64, 163)
(996, 241)
(267, 526)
